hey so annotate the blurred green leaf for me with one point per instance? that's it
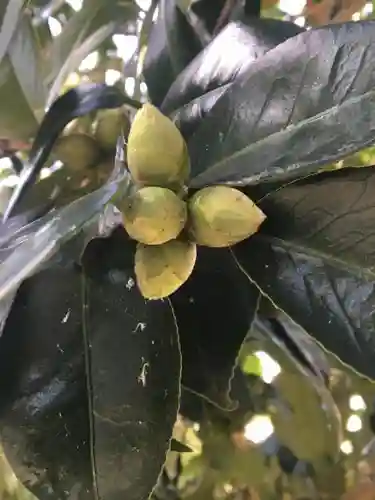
(76, 56)
(22, 93)
(82, 34)
(251, 365)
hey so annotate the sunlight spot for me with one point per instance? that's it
(10, 182)
(269, 367)
(54, 26)
(357, 403)
(126, 45)
(89, 62)
(300, 21)
(258, 429)
(6, 163)
(367, 9)
(356, 16)
(156, 13)
(354, 423)
(72, 80)
(75, 4)
(112, 76)
(143, 88)
(130, 86)
(143, 4)
(346, 447)
(292, 7)
(45, 172)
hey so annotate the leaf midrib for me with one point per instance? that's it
(286, 130)
(345, 265)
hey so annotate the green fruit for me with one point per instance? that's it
(154, 215)
(156, 151)
(77, 151)
(221, 216)
(161, 270)
(110, 124)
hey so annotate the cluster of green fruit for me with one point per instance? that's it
(159, 214)
(87, 146)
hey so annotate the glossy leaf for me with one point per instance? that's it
(172, 45)
(74, 103)
(21, 91)
(214, 310)
(248, 39)
(104, 389)
(331, 216)
(292, 111)
(322, 229)
(134, 365)
(43, 389)
(333, 304)
(190, 116)
(256, 37)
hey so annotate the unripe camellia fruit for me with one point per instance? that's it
(161, 270)
(221, 216)
(156, 151)
(110, 124)
(77, 151)
(154, 215)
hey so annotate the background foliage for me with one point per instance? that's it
(74, 41)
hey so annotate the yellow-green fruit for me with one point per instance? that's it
(156, 151)
(154, 215)
(77, 151)
(110, 124)
(221, 216)
(161, 270)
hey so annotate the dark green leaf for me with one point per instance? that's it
(257, 37)
(214, 310)
(292, 111)
(253, 7)
(43, 404)
(216, 66)
(331, 216)
(190, 116)
(172, 45)
(134, 366)
(105, 392)
(323, 227)
(333, 304)
(79, 101)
